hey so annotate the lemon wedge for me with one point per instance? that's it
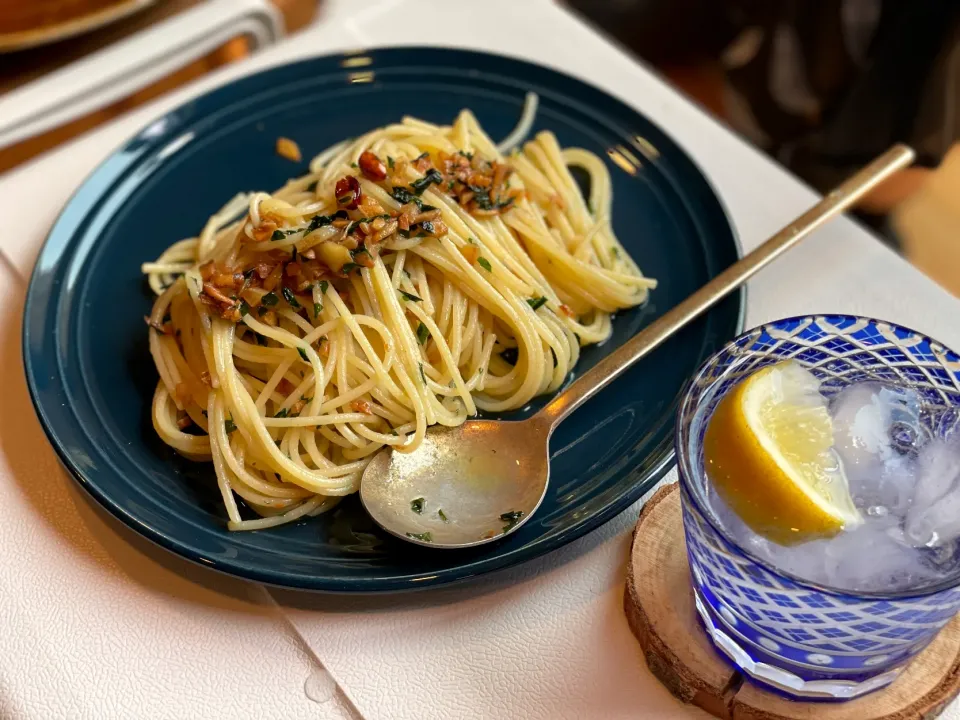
(767, 451)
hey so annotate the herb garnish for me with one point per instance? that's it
(317, 309)
(511, 518)
(303, 354)
(289, 297)
(389, 162)
(484, 263)
(323, 287)
(425, 537)
(270, 299)
(281, 413)
(229, 426)
(537, 303)
(417, 505)
(319, 221)
(244, 308)
(442, 516)
(423, 375)
(422, 333)
(278, 235)
(433, 176)
(401, 195)
(410, 296)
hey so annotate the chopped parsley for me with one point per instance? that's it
(389, 162)
(323, 287)
(511, 519)
(401, 195)
(349, 268)
(317, 309)
(417, 505)
(424, 536)
(423, 375)
(433, 176)
(442, 515)
(410, 296)
(319, 221)
(278, 235)
(427, 227)
(303, 354)
(244, 308)
(484, 263)
(281, 413)
(270, 299)
(229, 426)
(537, 303)
(353, 165)
(422, 333)
(289, 297)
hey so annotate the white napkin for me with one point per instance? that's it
(546, 640)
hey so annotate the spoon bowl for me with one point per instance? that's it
(462, 486)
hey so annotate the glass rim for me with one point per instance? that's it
(687, 470)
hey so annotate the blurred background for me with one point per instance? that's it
(822, 86)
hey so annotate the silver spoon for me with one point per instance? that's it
(475, 483)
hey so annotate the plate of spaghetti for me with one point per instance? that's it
(270, 284)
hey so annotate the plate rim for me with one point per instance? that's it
(276, 577)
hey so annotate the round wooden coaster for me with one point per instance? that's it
(660, 610)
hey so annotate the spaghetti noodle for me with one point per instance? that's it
(414, 276)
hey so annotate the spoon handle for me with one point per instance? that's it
(841, 198)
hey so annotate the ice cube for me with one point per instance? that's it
(934, 517)
(865, 416)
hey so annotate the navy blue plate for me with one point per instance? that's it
(85, 344)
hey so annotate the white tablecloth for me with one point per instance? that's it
(98, 623)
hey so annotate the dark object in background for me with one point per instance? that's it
(822, 85)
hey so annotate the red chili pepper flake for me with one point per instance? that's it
(348, 193)
(371, 166)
